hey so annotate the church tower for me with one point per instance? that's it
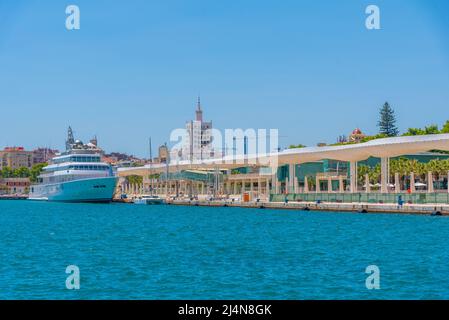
(70, 139)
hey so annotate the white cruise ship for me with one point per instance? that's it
(78, 175)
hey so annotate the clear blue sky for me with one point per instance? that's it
(309, 68)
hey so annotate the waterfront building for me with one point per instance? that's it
(328, 173)
(163, 154)
(109, 159)
(15, 157)
(43, 155)
(14, 185)
(356, 136)
(198, 139)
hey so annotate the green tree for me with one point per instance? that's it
(377, 136)
(135, 179)
(7, 173)
(432, 129)
(22, 172)
(36, 170)
(414, 132)
(362, 171)
(292, 146)
(445, 127)
(387, 122)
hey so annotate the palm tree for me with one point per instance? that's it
(400, 166)
(362, 170)
(375, 173)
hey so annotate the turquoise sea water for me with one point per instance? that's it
(169, 252)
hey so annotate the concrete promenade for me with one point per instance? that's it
(422, 209)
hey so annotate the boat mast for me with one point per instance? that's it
(151, 162)
(151, 153)
(166, 174)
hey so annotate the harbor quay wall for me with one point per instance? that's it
(422, 209)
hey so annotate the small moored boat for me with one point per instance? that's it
(149, 200)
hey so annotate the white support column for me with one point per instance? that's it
(329, 185)
(251, 186)
(259, 187)
(353, 176)
(287, 185)
(295, 185)
(367, 184)
(276, 183)
(412, 183)
(430, 182)
(318, 186)
(341, 186)
(243, 186)
(397, 185)
(306, 185)
(384, 175)
(291, 178)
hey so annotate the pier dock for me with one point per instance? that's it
(423, 209)
(13, 197)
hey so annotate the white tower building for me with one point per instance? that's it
(198, 140)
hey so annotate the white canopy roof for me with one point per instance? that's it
(387, 147)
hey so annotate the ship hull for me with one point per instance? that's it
(83, 190)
